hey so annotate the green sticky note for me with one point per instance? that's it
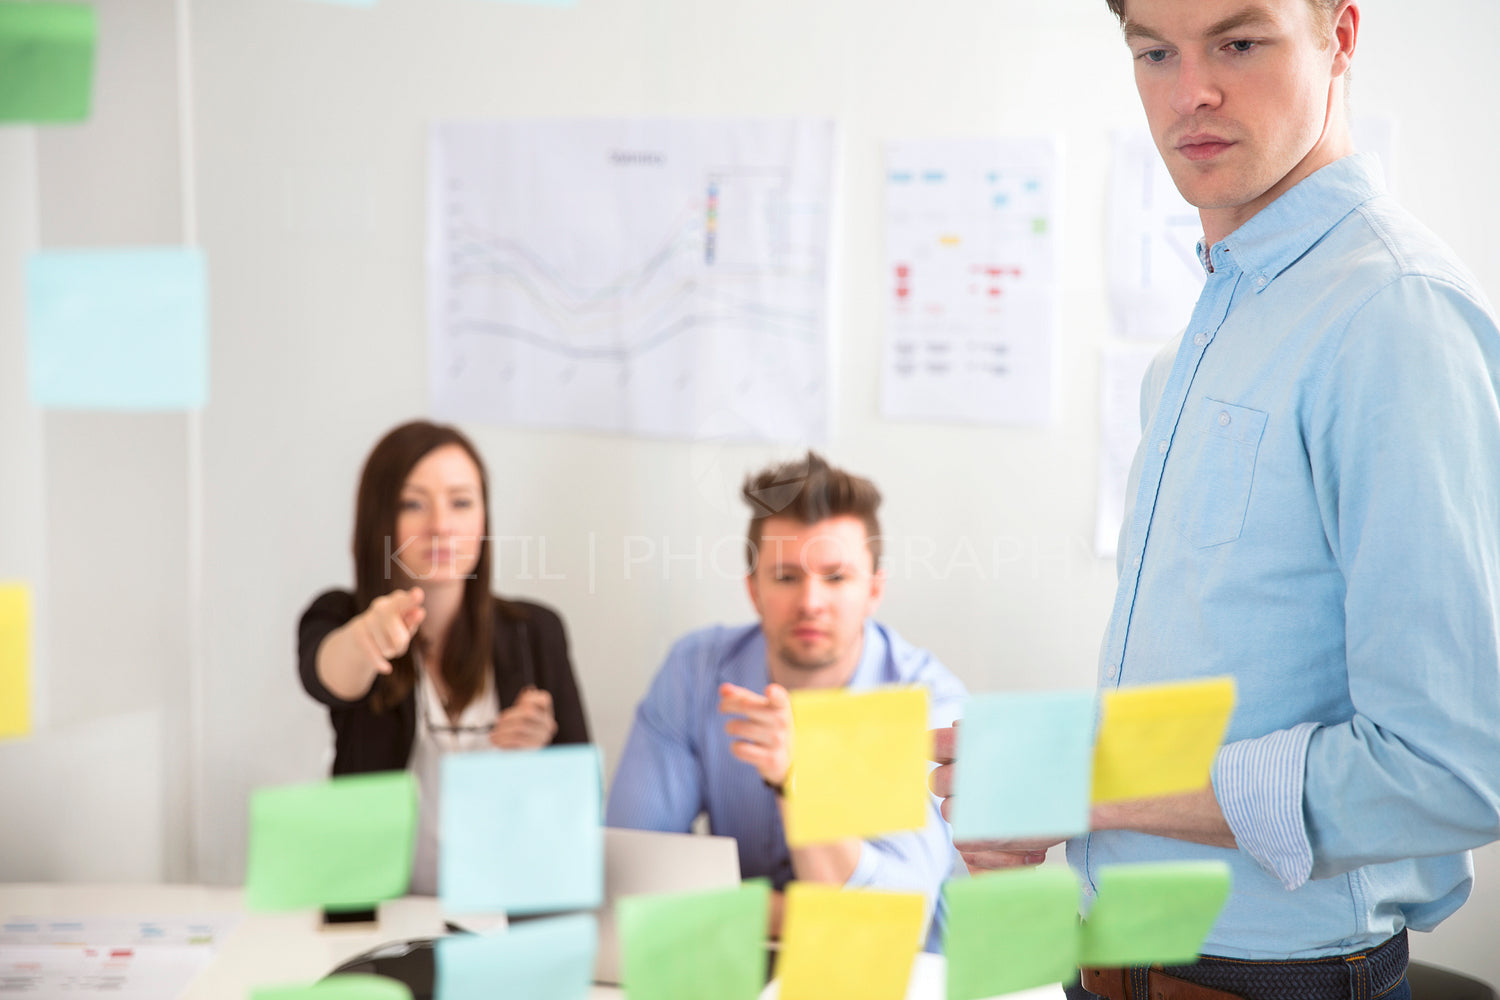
(1010, 930)
(350, 987)
(1158, 912)
(46, 61)
(684, 946)
(342, 844)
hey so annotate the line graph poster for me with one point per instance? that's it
(659, 277)
(971, 244)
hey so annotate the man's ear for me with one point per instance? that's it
(1345, 37)
(752, 587)
(877, 588)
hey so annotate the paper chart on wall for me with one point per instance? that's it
(1377, 134)
(657, 277)
(1121, 371)
(1154, 273)
(971, 258)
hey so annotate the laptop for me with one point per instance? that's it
(643, 862)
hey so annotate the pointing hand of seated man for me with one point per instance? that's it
(761, 727)
(978, 855)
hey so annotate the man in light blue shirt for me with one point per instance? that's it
(1315, 510)
(713, 734)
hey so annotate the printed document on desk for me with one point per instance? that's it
(126, 958)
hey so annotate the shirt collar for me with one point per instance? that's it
(1279, 234)
(869, 673)
(871, 669)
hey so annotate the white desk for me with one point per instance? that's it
(284, 949)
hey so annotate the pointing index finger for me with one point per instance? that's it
(735, 699)
(944, 745)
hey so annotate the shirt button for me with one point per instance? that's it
(1135, 563)
(1112, 672)
(1223, 419)
(1260, 282)
(1162, 448)
(1201, 339)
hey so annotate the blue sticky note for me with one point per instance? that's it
(551, 959)
(1025, 765)
(522, 831)
(118, 329)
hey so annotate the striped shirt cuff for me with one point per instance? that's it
(1258, 783)
(865, 869)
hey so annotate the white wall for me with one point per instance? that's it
(309, 164)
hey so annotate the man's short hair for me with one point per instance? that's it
(809, 490)
(1324, 8)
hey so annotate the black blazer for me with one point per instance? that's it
(529, 639)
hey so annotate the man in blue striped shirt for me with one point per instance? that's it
(713, 733)
(1314, 510)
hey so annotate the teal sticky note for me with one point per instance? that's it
(348, 987)
(1025, 764)
(1158, 912)
(46, 61)
(1010, 930)
(522, 831)
(342, 844)
(118, 329)
(537, 960)
(688, 945)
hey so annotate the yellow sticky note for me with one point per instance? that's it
(859, 764)
(15, 660)
(1160, 739)
(848, 944)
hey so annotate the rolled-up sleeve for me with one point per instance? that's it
(1405, 450)
(1258, 783)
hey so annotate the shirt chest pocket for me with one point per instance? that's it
(1213, 464)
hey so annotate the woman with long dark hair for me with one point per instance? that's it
(422, 659)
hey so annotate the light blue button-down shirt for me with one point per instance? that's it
(1315, 510)
(677, 762)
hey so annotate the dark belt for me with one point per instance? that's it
(1364, 974)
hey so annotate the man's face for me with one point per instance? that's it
(1238, 96)
(814, 586)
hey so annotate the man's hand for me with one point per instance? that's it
(979, 855)
(761, 729)
(390, 623)
(526, 725)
